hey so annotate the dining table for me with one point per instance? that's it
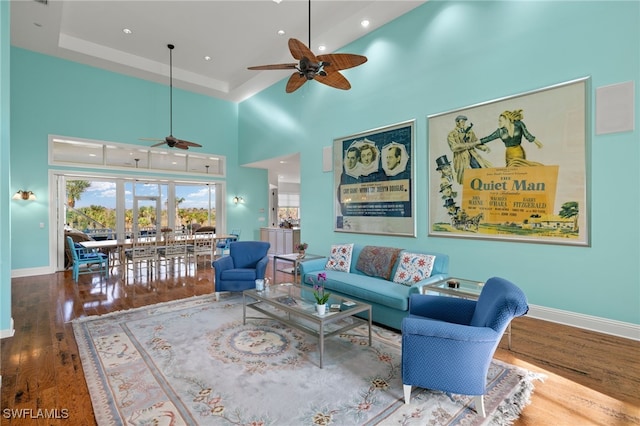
(120, 245)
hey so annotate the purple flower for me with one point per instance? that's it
(318, 289)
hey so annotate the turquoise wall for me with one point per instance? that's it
(54, 96)
(441, 56)
(5, 211)
(448, 55)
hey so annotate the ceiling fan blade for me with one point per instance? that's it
(187, 143)
(342, 61)
(181, 146)
(273, 67)
(158, 144)
(334, 79)
(295, 82)
(299, 50)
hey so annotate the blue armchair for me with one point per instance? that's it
(246, 262)
(448, 342)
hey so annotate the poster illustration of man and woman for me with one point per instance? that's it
(513, 168)
(373, 176)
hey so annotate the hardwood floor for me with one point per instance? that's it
(592, 378)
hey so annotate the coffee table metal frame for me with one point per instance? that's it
(300, 316)
(467, 289)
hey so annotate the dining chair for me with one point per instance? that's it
(222, 247)
(203, 243)
(172, 250)
(85, 261)
(143, 255)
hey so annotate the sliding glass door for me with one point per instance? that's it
(113, 207)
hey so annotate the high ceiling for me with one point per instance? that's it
(234, 34)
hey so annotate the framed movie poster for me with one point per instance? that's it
(512, 168)
(374, 180)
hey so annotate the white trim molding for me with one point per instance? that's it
(8, 333)
(588, 322)
(30, 272)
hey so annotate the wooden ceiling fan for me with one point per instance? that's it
(322, 68)
(171, 141)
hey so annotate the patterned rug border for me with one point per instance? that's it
(104, 406)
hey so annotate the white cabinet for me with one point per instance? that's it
(269, 235)
(283, 241)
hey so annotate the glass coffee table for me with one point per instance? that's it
(460, 287)
(295, 307)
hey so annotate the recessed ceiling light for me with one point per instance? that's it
(277, 1)
(127, 31)
(322, 48)
(207, 58)
(281, 32)
(364, 23)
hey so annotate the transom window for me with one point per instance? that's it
(64, 151)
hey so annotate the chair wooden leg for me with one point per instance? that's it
(407, 393)
(479, 399)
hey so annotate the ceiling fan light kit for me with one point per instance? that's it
(322, 68)
(171, 141)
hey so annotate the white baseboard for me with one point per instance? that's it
(588, 322)
(30, 272)
(8, 333)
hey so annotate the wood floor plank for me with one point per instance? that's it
(591, 378)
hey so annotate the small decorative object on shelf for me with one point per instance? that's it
(301, 247)
(453, 283)
(321, 296)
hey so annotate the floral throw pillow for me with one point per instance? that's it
(340, 259)
(413, 267)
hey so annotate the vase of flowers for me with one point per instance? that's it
(301, 247)
(319, 293)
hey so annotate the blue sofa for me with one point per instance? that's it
(389, 300)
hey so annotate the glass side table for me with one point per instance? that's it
(293, 258)
(460, 287)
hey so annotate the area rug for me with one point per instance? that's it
(193, 362)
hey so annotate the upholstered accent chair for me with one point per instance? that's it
(246, 262)
(448, 342)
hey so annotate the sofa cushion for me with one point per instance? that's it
(340, 259)
(413, 267)
(377, 261)
(373, 290)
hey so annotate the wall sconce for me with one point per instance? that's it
(24, 195)
(237, 200)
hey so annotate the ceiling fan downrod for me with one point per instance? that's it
(170, 46)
